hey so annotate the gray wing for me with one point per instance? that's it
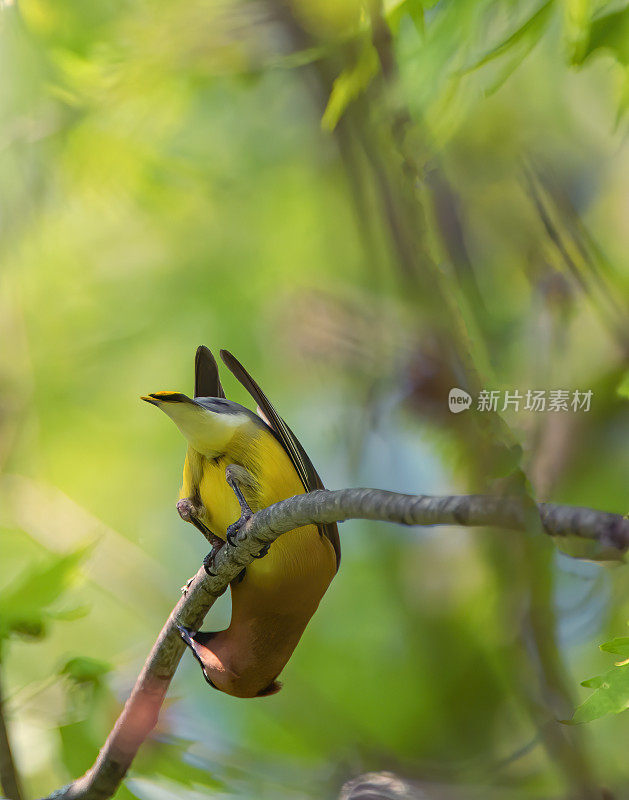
(206, 380)
(300, 459)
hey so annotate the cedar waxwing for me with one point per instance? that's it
(237, 463)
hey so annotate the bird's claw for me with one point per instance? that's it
(263, 552)
(234, 475)
(208, 561)
(235, 527)
(188, 510)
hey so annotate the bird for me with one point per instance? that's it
(237, 463)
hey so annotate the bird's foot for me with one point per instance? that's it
(263, 552)
(184, 589)
(235, 527)
(235, 476)
(208, 561)
(189, 511)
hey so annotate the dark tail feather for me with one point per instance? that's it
(207, 382)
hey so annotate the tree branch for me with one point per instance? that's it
(141, 710)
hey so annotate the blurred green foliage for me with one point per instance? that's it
(367, 207)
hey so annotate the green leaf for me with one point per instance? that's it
(623, 99)
(610, 695)
(527, 35)
(618, 645)
(594, 683)
(83, 669)
(396, 9)
(349, 85)
(610, 32)
(71, 613)
(91, 711)
(577, 18)
(25, 605)
(623, 386)
(30, 628)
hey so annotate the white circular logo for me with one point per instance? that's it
(458, 400)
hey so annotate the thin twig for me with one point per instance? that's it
(141, 710)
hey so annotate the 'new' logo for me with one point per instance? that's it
(458, 400)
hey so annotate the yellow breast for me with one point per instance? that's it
(298, 557)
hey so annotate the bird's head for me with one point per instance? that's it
(208, 423)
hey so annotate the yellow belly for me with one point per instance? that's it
(300, 563)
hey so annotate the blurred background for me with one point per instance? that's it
(368, 205)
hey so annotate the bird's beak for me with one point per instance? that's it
(157, 398)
